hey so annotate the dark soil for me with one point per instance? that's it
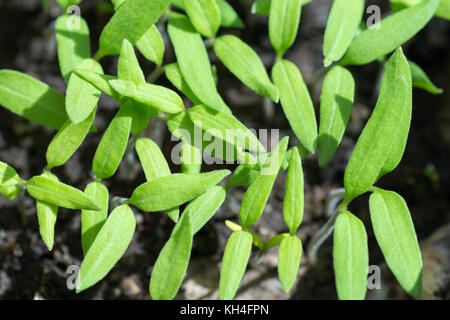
(28, 270)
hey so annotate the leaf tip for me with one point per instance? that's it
(327, 62)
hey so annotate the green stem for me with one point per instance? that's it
(155, 74)
(323, 234)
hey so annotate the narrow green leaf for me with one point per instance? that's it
(181, 126)
(65, 4)
(100, 81)
(47, 214)
(381, 145)
(9, 180)
(225, 126)
(342, 25)
(421, 80)
(72, 37)
(108, 247)
(257, 194)
(229, 17)
(141, 114)
(131, 21)
(391, 33)
(173, 190)
(177, 4)
(191, 159)
(193, 61)
(289, 257)
(284, 19)
(93, 221)
(128, 66)
(294, 195)
(394, 231)
(172, 262)
(154, 165)
(173, 73)
(82, 96)
(235, 259)
(397, 67)
(31, 99)
(442, 11)
(50, 191)
(205, 16)
(152, 159)
(243, 176)
(262, 7)
(350, 257)
(245, 64)
(296, 102)
(275, 241)
(155, 96)
(336, 101)
(114, 143)
(202, 208)
(67, 140)
(151, 45)
(117, 3)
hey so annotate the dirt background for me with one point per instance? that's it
(29, 271)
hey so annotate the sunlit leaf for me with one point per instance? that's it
(9, 179)
(32, 99)
(114, 143)
(296, 102)
(235, 259)
(391, 33)
(173, 190)
(81, 95)
(336, 101)
(245, 64)
(131, 21)
(93, 221)
(193, 61)
(257, 194)
(67, 140)
(397, 238)
(289, 257)
(72, 37)
(154, 165)
(172, 262)
(294, 195)
(47, 215)
(50, 191)
(108, 247)
(421, 80)
(350, 257)
(284, 19)
(342, 25)
(381, 145)
(204, 14)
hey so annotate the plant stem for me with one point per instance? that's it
(117, 201)
(21, 207)
(323, 234)
(155, 74)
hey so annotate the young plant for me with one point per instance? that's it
(192, 27)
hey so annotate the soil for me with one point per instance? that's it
(29, 271)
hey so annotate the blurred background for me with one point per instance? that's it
(29, 271)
